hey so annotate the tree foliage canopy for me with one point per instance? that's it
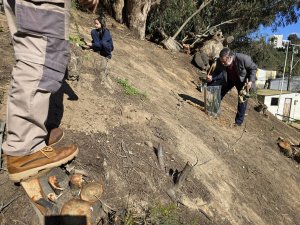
(249, 14)
(294, 39)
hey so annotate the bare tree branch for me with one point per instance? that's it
(205, 34)
(202, 6)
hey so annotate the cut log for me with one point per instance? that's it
(76, 182)
(92, 192)
(171, 44)
(77, 211)
(285, 147)
(53, 182)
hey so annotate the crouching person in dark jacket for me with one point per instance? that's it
(234, 69)
(101, 39)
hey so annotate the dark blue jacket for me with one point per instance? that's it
(102, 43)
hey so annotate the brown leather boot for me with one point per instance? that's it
(22, 167)
(55, 135)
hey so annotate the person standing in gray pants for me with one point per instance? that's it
(39, 30)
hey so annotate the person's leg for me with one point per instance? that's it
(56, 109)
(225, 88)
(32, 81)
(27, 111)
(241, 110)
(40, 67)
(241, 107)
(55, 114)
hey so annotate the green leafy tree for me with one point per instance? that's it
(248, 15)
(171, 14)
(294, 39)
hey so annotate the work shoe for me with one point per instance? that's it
(23, 167)
(55, 135)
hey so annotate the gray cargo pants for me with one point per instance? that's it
(39, 30)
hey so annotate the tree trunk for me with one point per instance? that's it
(133, 12)
(118, 6)
(137, 12)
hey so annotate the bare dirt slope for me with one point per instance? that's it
(241, 177)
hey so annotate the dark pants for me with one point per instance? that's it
(103, 51)
(227, 86)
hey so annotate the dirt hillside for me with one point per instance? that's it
(241, 177)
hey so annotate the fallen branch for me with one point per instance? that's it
(209, 30)
(2, 129)
(178, 183)
(183, 175)
(204, 213)
(3, 206)
(160, 158)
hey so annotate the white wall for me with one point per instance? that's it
(295, 107)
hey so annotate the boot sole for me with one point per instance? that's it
(17, 177)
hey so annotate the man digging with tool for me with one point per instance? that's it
(234, 69)
(40, 40)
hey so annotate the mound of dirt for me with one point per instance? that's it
(239, 175)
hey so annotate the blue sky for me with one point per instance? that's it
(286, 31)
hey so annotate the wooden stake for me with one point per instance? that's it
(160, 158)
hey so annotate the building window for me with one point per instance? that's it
(274, 101)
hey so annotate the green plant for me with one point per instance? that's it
(129, 89)
(128, 219)
(87, 56)
(165, 215)
(75, 39)
(74, 4)
(1, 29)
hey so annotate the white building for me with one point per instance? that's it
(276, 40)
(285, 106)
(262, 76)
